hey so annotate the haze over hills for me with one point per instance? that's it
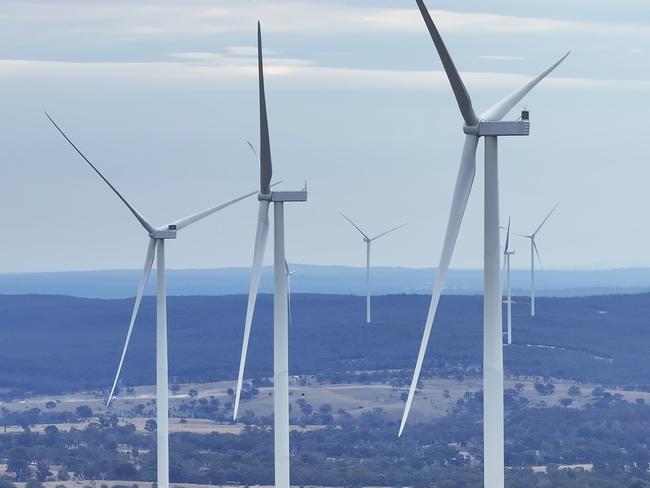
(324, 279)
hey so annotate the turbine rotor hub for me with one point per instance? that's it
(168, 232)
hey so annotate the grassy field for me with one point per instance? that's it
(435, 400)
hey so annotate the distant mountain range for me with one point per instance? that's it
(339, 280)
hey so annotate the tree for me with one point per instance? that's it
(42, 471)
(125, 471)
(544, 389)
(62, 475)
(574, 391)
(150, 425)
(19, 467)
(50, 405)
(565, 402)
(17, 463)
(325, 408)
(598, 392)
(84, 411)
(305, 407)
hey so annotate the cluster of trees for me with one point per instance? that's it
(610, 434)
(91, 453)
(25, 418)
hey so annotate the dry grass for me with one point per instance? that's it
(435, 400)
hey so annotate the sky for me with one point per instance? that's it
(162, 96)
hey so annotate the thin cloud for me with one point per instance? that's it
(501, 57)
(247, 51)
(318, 18)
(295, 72)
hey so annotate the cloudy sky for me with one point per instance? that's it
(162, 96)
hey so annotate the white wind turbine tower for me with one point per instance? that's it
(156, 247)
(507, 254)
(280, 299)
(534, 251)
(490, 126)
(368, 241)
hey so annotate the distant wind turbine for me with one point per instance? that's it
(280, 298)
(368, 241)
(507, 253)
(156, 247)
(490, 126)
(535, 252)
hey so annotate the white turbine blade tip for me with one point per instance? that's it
(501, 108)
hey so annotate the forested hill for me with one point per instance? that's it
(59, 343)
(324, 279)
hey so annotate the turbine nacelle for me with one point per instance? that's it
(167, 232)
(498, 128)
(288, 196)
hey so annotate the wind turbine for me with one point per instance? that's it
(368, 241)
(490, 126)
(155, 248)
(507, 253)
(280, 299)
(534, 251)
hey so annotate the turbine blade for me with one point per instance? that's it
(457, 85)
(258, 260)
(289, 298)
(462, 191)
(148, 262)
(537, 253)
(355, 226)
(388, 232)
(507, 248)
(140, 218)
(501, 108)
(254, 152)
(539, 227)
(184, 222)
(266, 167)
